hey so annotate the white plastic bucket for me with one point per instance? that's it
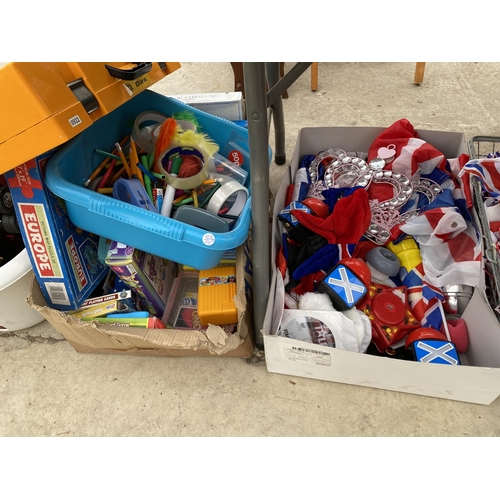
(15, 277)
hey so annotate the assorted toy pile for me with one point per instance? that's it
(166, 166)
(380, 253)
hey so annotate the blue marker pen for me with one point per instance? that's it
(135, 314)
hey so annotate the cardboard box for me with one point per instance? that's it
(89, 337)
(476, 381)
(228, 105)
(64, 258)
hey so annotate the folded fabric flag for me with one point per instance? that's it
(450, 246)
(412, 154)
(413, 157)
(302, 180)
(487, 170)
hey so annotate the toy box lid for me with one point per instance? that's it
(44, 104)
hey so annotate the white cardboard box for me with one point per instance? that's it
(228, 105)
(476, 381)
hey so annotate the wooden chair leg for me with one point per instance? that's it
(314, 76)
(239, 82)
(419, 73)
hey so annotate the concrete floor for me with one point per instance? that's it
(47, 389)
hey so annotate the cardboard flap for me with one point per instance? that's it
(129, 339)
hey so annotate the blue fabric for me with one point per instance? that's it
(325, 258)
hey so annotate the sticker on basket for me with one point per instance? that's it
(75, 120)
(208, 239)
(138, 85)
(305, 354)
(236, 157)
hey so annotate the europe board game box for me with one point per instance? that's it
(64, 257)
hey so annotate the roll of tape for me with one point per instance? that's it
(184, 183)
(231, 189)
(146, 116)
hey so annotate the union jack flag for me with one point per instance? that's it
(423, 297)
(488, 171)
(450, 246)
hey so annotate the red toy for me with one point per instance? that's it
(389, 313)
(422, 334)
(318, 207)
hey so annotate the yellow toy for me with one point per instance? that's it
(216, 291)
(407, 252)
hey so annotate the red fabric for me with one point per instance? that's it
(347, 223)
(307, 283)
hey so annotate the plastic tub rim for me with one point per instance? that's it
(14, 270)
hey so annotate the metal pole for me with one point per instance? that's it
(273, 77)
(284, 83)
(256, 108)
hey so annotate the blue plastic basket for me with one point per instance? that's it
(71, 166)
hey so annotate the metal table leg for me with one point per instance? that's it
(273, 77)
(256, 107)
(257, 102)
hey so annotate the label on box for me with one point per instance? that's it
(39, 236)
(76, 263)
(75, 121)
(306, 354)
(217, 280)
(138, 85)
(58, 293)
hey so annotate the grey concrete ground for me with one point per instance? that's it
(47, 389)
